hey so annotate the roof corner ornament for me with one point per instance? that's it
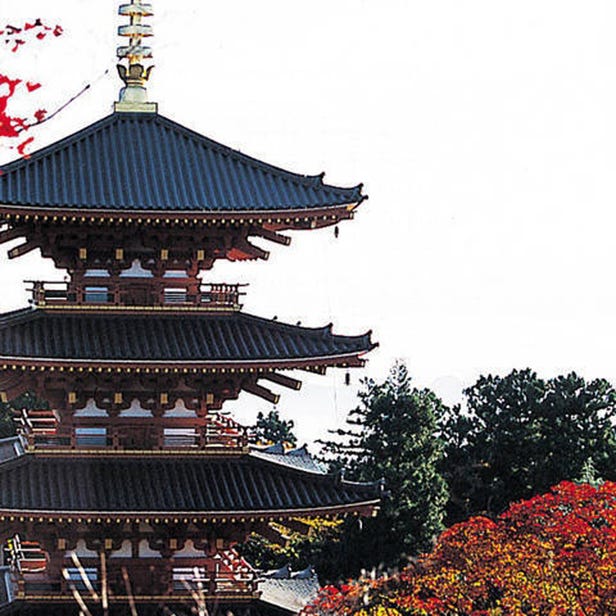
(134, 96)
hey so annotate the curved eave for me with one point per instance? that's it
(62, 344)
(166, 366)
(150, 489)
(120, 516)
(275, 220)
(93, 173)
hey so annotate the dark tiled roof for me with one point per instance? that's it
(297, 458)
(291, 593)
(199, 485)
(10, 448)
(6, 593)
(142, 161)
(189, 337)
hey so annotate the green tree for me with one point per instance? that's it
(521, 434)
(392, 436)
(317, 546)
(28, 401)
(271, 428)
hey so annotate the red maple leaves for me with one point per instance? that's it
(14, 37)
(553, 554)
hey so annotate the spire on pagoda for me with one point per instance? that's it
(133, 96)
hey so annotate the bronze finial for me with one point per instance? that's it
(135, 75)
(133, 96)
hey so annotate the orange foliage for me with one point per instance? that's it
(552, 555)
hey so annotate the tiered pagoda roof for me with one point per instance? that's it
(131, 171)
(130, 464)
(145, 163)
(208, 340)
(289, 590)
(245, 486)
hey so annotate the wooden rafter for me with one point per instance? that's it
(282, 379)
(12, 385)
(23, 249)
(297, 526)
(250, 249)
(13, 233)
(270, 533)
(262, 392)
(272, 236)
(315, 369)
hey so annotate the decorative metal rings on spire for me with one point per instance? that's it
(135, 52)
(133, 97)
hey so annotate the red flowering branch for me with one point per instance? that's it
(14, 38)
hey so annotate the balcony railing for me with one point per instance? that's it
(213, 583)
(212, 436)
(184, 583)
(166, 292)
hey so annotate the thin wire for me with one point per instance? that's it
(67, 103)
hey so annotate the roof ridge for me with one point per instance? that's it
(307, 180)
(322, 476)
(56, 146)
(276, 322)
(327, 328)
(94, 169)
(17, 315)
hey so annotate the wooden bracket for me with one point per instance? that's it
(282, 379)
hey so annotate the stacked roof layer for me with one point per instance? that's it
(201, 485)
(146, 162)
(291, 592)
(151, 337)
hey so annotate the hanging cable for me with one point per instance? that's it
(66, 104)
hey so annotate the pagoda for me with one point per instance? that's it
(133, 487)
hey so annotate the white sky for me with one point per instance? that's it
(484, 132)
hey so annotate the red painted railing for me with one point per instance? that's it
(107, 291)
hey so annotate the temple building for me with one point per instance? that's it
(131, 489)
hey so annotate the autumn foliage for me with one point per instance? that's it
(554, 554)
(14, 37)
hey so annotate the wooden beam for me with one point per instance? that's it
(271, 534)
(297, 526)
(245, 246)
(23, 249)
(262, 392)
(12, 385)
(315, 369)
(8, 379)
(272, 236)
(11, 234)
(282, 379)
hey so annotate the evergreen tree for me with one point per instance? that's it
(27, 401)
(392, 436)
(271, 428)
(520, 435)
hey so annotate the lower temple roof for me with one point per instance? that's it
(36, 334)
(290, 592)
(197, 486)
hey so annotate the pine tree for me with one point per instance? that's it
(392, 436)
(28, 401)
(520, 434)
(271, 428)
